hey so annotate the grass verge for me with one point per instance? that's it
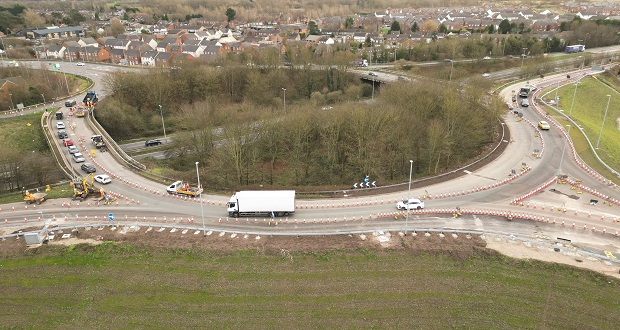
(61, 191)
(127, 286)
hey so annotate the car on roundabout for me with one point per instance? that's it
(543, 125)
(78, 157)
(67, 142)
(88, 168)
(103, 178)
(410, 204)
(154, 142)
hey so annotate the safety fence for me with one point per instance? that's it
(520, 199)
(594, 192)
(454, 212)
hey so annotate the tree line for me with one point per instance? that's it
(33, 86)
(239, 131)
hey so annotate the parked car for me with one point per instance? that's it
(372, 74)
(60, 125)
(102, 178)
(80, 64)
(78, 157)
(486, 58)
(544, 125)
(62, 134)
(88, 168)
(486, 75)
(72, 149)
(154, 142)
(67, 142)
(70, 103)
(410, 204)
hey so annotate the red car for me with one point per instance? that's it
(67, 142)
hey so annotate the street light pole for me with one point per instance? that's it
(562, 158)
(43, 96)
(284, 99)
(409, 194)
(557, 103)
(11, 96)
(523, 57)
(573, 102)
(603, 123)
(162, 120)
(202, 212)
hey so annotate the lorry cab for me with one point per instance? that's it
(172, 189)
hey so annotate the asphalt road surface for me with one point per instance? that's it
(488, 188)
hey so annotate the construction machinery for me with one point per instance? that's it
(90, 99)
(82, 188)
(183, 188)
(34, 198)
(81, 112)
(98, 141)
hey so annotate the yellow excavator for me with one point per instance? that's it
(82, 188)
(34, 198)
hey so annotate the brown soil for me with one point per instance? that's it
(460, 247)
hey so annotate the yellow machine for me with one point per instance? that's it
(34, 198)
(82, 188)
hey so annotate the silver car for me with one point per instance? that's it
(78, 157)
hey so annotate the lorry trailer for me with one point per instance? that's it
(272, 203)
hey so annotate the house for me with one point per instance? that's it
(148, 58)
(72, 53)
(57, 33)
(164, 58)
(117, 56)
(313, 39)
(87, 42)
(94, 54)
(132, 57)
(55, 51)
(359, 36)
(193, 50)
(135, 45)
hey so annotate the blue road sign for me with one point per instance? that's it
(111, 217)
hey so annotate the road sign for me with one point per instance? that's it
(111, 217)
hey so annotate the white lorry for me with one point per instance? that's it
(270, 203)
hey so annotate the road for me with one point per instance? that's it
(490, 189)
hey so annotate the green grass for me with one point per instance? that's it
(60, 191)
(588, 110)
(17, 133)
(126, 286)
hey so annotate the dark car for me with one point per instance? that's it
(62, 134)
(152, 143)
(88, 168)
(70, 103)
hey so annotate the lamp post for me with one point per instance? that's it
(202, 212)
(523, 57)
(409, 193)
(573, 102)
(284, 99)
(451, 68)
(11, 96)
(562, 158)
(43, 96)
(603, 123)
(162, 120)
(557, 103)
